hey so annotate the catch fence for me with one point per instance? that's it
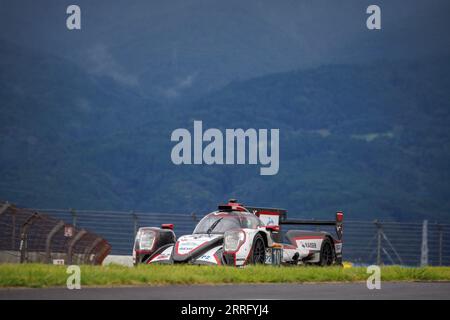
(365, 242)
(28, 235)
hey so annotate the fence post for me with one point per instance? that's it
(48, 241)
(102, 253)
(13, 233)
(24, 237)
(89, 249)
(441, 238)
(74, 217)
(424, 250)
(135, 222)
(4, 207)
(72, 243)
(379, 234)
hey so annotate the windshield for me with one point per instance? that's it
(219, 223)
(222, 224)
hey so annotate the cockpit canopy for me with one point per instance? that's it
(219, 222)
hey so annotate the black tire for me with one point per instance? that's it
(327, 256)
(258, 255)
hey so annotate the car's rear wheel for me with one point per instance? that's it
(326, 253)
(258, 250)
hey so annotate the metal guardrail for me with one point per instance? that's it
(365, 242)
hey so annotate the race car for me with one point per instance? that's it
(239, 235)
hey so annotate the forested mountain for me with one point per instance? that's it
(370, 139)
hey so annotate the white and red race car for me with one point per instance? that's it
(238, 235)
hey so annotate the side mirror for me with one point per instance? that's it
(273, 228)
(167, 226)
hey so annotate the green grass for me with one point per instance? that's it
(41, 275)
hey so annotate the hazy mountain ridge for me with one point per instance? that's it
(371, 140)
(177, 50)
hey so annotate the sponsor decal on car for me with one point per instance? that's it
(311, 244)
(165, 255)
(161, 256)
(186, 247)
(269, 219)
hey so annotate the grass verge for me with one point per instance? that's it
(42, 275)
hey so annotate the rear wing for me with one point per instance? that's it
(338, 223)
(278, 217)
(269, 216)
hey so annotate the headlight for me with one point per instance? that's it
(146, 239)
(232, 240)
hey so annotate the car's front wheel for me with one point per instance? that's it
(258, 255)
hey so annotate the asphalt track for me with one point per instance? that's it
(389, 290)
